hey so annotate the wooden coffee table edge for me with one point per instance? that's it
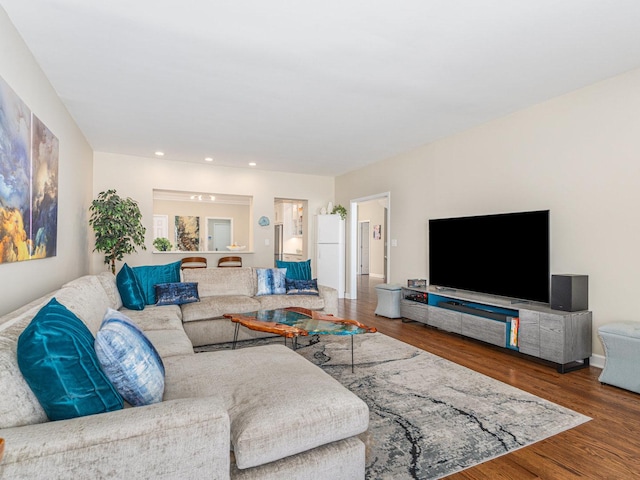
(251, 323)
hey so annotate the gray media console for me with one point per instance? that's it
(563, 338)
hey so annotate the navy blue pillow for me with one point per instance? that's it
(302, 287)
(151, 275)
(57, 358)
(296, 270)
(130, 289)
(177, 293)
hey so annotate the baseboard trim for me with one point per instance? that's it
(597, 361)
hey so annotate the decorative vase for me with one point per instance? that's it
(330, 207)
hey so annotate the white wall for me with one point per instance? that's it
(136, 177)
(577, 155)
(25, 281)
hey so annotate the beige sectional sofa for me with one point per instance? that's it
(250, 413)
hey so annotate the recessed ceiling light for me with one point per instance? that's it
(208, 159)
(252, 164)
(159, 153)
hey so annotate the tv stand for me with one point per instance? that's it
(563, 338)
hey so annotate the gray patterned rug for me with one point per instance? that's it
(430, 417)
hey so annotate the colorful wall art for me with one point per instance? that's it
(28, 182)
(188, 233)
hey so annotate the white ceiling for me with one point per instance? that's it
(320, 87)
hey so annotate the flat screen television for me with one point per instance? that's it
(505, 254)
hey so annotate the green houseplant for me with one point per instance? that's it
(116, 222)
(340, 210)
(162, 244)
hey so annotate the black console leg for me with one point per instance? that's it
(570, 367)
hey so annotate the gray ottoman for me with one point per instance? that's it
(622, 351)
(388, 300)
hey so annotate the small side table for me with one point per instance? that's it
(621, 343)
(389, 295)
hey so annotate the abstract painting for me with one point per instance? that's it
(28, 182)
(44, 191)
(188, 233)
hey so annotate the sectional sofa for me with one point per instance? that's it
(250, 413)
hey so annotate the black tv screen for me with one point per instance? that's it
(505, 254)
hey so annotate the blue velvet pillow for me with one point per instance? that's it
(176, 293)
(129, 360)
(58, 361)
(296, 270)
(302, 287)
(150, 275)
(130, 289)
(271, 281)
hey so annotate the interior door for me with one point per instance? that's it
(218, 234)
(364, 248)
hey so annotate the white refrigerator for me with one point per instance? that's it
(330, 252)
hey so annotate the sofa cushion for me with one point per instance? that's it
(130, 289)
(270, 302)
(129, 360)
(18, 404)
(215, 307)
(108, 281)
(296, 270)
(271, 281)
(221, 281)
(272, 417)
(169, 343)
(87, 299)
(166, 317)
(58, 360)
(176, 293)
(151, 275)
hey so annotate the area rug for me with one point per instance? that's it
(430, 417)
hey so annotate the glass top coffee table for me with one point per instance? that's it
(294, 322)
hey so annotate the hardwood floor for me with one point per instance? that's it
(607, 447)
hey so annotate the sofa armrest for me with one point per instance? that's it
(330, 297)
(187, 438)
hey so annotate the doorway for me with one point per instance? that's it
(382, 222)
(363, 249)
(218, 234)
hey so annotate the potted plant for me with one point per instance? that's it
(340, 210)
(162, 244)
(116, 222)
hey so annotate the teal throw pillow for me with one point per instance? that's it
(58, 361)
(130, 289)
(129, 360)
(296, 270)
(151, 275)
(271, 281)
(302, 287)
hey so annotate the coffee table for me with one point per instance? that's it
(294, 322)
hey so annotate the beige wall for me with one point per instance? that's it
(25, 281)
(577, 155)
(137, 177)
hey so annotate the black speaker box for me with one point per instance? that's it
(570, 293)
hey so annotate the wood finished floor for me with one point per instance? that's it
(607, 447)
